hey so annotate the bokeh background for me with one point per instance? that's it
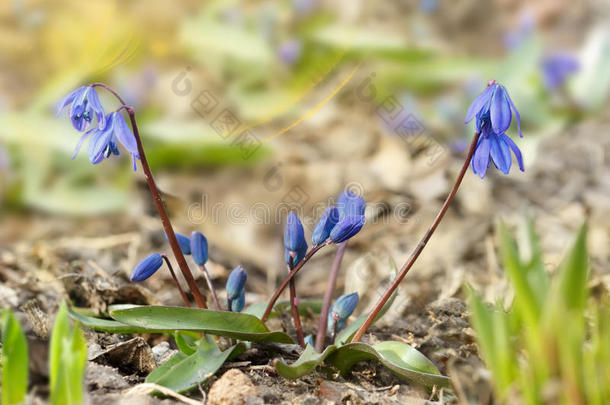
(249, 107)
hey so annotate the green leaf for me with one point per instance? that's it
(400, 358)
(308, 361)
(110, 326)
(348, 332)
(182, 373)
(14, 360)
(67, 361)
(221, 323)
(305, 308)
(186, 344)
(573, 274)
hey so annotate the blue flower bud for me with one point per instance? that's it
(147, 267)
(183, 241)
(199, 248)
(298, 255)
(294, 236)
(309, 340)
(326, 224)
(236, 283)
(493, 106)
(350, 204)
(238, 304)
(340, 311)
(346, 228)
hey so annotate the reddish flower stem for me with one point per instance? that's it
(208, 280)
(171, 270)
(328, 296)
(420, 246)
(167, 225)
(295, 309)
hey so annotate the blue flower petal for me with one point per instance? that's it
(325, 225)
(97, 108)
(500, 111)
(346, 228)
(515, 150)
(500, 153)
(294, 235)
(69, 99)
(479, 103)
(480, 160)
(125, 136)
(82, 139)
(98, 144)
(517, 116)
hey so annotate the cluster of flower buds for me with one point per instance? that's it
(236, 289)
(110, 130)
(341, 310)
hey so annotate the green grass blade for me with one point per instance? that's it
(14, 360)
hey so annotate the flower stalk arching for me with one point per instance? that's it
(420, 246)
(167, 226)
(295, 309)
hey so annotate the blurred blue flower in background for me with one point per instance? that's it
(304, 7)
(556, 68)
(289, 51)
(524, 30)
(83, 103)
(340, 311)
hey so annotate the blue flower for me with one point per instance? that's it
(309, 340)
(238, 304)
(199, 248)
(297, 255)
(557, 68)
(350, 204)
(346, 228)
(183, 241)
(289, 51)
(147, 267)
(493, 105)
(294, 236)
(83, 103)
(326, 224)
(235, 285)
(496, 148)
(103, 142)
(340, 311)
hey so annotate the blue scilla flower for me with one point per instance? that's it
(297, 255)
(495, 148)
(199, 248)
(557, 68)
(494, 105)
(350, 204)
(235, 285)
(183, 241)
(346, 228)
(294, 236)
(325, 225)
(340, 311)
(147, 267)
(238, 304)
(83, 103)
(104, 141)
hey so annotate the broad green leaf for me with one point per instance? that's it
(308, 361)
(221, 323)
(67, 361)
(348, 332)
(305, 307)
(182, 373)
(108, 325)
(14, 360)
(186, 344)
(400, 358)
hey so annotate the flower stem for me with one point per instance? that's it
(295, 309)
(167, 225)
(420, 246)
(328, 295)
(208, 280)
(292, 273)
(171, 270)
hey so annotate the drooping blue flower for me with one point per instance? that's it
(297, 255)
(493, 105)
(103, 142)
(557, 68)
(199, 248)
(236, 284)
(346, 228)
(83, 103)
(341, 310)
(326, 224)
(183, 241)
(238, 304)
(294, 236)
(496, 148)
(147, 267)
(350, 204)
